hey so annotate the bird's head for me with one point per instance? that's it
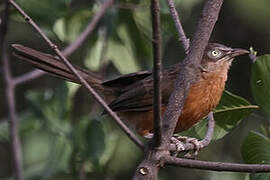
(217, 56)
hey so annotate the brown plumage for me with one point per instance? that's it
(131, 95)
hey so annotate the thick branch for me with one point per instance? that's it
(178, 25)
(73, 46)
(191, 68)
(216, 166)
(129, 133)
(13, 126)
(148, 168)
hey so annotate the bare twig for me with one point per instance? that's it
(157, 69)
(13, 126)
(129, 133)
(216, 166)
(29, 76)
(177, 22)
(73, 46)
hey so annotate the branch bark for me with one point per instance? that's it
(13, 120)
(216, 166)
(153, 159)
(190, 68)
(128, 132)
(148, 168)
(155, 9)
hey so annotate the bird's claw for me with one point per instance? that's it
(180, 141)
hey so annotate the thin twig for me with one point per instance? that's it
(210, 130)
(129, 133)
(13, 120)
(73, 46)
(155, 9)
(216, 166)
(29, 76)
(178, 25)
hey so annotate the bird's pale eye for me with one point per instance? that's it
(215, 53)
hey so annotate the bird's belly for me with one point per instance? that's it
(202, 98)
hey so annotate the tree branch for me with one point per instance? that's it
(190, 69)
(148, 168)
(216, 166)
(155, 9)
(178, 25)
(73, 46)
(13, 126)
(129, 133)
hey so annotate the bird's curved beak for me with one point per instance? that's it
(237, 52)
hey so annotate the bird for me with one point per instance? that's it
(131, 95)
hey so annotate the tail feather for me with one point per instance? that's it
(53, 66)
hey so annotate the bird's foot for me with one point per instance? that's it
(180, 142)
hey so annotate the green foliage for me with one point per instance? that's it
(256, 150)
(228, 114)
(260, 82)
(256, 146)
(39, 9)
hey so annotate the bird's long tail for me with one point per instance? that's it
(54, 66)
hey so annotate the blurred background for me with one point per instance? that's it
(62, 131)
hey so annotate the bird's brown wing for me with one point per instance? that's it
(139, 95)
(126, 80)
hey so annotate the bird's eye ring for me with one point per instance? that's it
(215, 53)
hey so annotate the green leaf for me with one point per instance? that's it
(260, 82)
(227, 114)
(121, 55)
(45, 154)
(53, 107)
(68, 28)
(142, 19)
(260, 176)
(95, 53)
(256, 150)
